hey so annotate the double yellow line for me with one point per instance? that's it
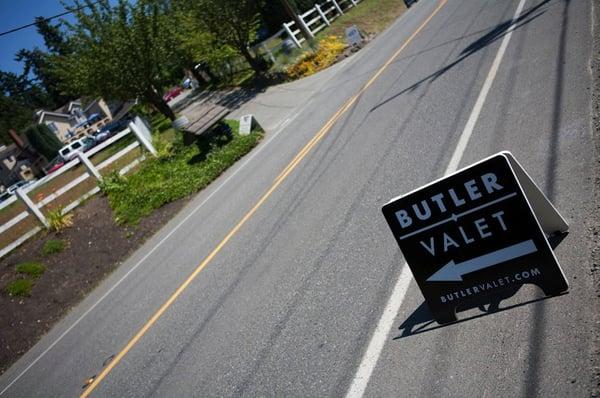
(282, 176)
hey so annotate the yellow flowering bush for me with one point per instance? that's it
(329, 49)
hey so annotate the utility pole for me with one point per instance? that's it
(299, 23)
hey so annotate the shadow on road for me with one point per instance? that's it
(489, 38)
(421, 320)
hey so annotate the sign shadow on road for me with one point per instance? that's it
(473, 238)
(422, 320)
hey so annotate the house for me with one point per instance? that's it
(73, 120)
(18, 162)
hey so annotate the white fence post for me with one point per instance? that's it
(353, 2)
(291, 34)
(312, 36)
(93, 171)
(33, 209)
(323, 17)
(143, 135)
(337, 7)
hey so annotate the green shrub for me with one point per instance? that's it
(187, 170)
(53, 246)
(112, 182)
(59, 220)
(35, 270)
(20, 287)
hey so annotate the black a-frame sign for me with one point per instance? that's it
(477, 233)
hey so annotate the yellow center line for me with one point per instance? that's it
(286, 171)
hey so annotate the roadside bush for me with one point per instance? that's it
(329, 49)
(112, 182)
(19, 287)
(59, 221)
(53, 246)
(32, 269)
(188, 170)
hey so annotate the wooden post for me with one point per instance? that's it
(337, 7)
(291, 34)
(92, 171)
(323, 17)
(143, 136)
(33, 209)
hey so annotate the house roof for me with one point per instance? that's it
(68, 107)
(43, 114)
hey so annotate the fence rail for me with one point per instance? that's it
(318, 18)
(33, 208)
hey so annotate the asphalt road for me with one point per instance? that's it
(289, 304)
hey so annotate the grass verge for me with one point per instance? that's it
(32, 269)
(176, 173)
(20, 288)
(370, 16)
(53, 246)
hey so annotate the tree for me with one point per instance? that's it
(121, 52)
(38, 64)
(231, 22)
(43, 140)
(198, 46)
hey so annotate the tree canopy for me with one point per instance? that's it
(121, 52)
(232, 23)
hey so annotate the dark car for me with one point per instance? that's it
(111, 129)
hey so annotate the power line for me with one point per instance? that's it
(49, 18)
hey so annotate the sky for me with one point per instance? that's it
(14, 13)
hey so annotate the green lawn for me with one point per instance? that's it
(370, 16)
(179, 171)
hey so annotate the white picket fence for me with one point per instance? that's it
(318, 18)
(33, 209)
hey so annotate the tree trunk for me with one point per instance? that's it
(156, 100)
(258, 66)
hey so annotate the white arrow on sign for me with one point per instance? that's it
(452, 272)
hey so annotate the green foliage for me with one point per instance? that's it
(198, 44)
(20, 287)
(43, 140)
(32, 269)
(231, 23)
(59, 220)
(53, 246)
(190, 169)
(121, 52)
(112, 182)
(165, 150)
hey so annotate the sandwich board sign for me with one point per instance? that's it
(476, 233)
(245, 124)
(353, 36)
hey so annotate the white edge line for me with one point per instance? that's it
(109, 291)
(379, 337)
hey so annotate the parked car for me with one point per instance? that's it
(172, 93)
(111, 129)
(56, 166)
(69, 151)
(21, 184)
